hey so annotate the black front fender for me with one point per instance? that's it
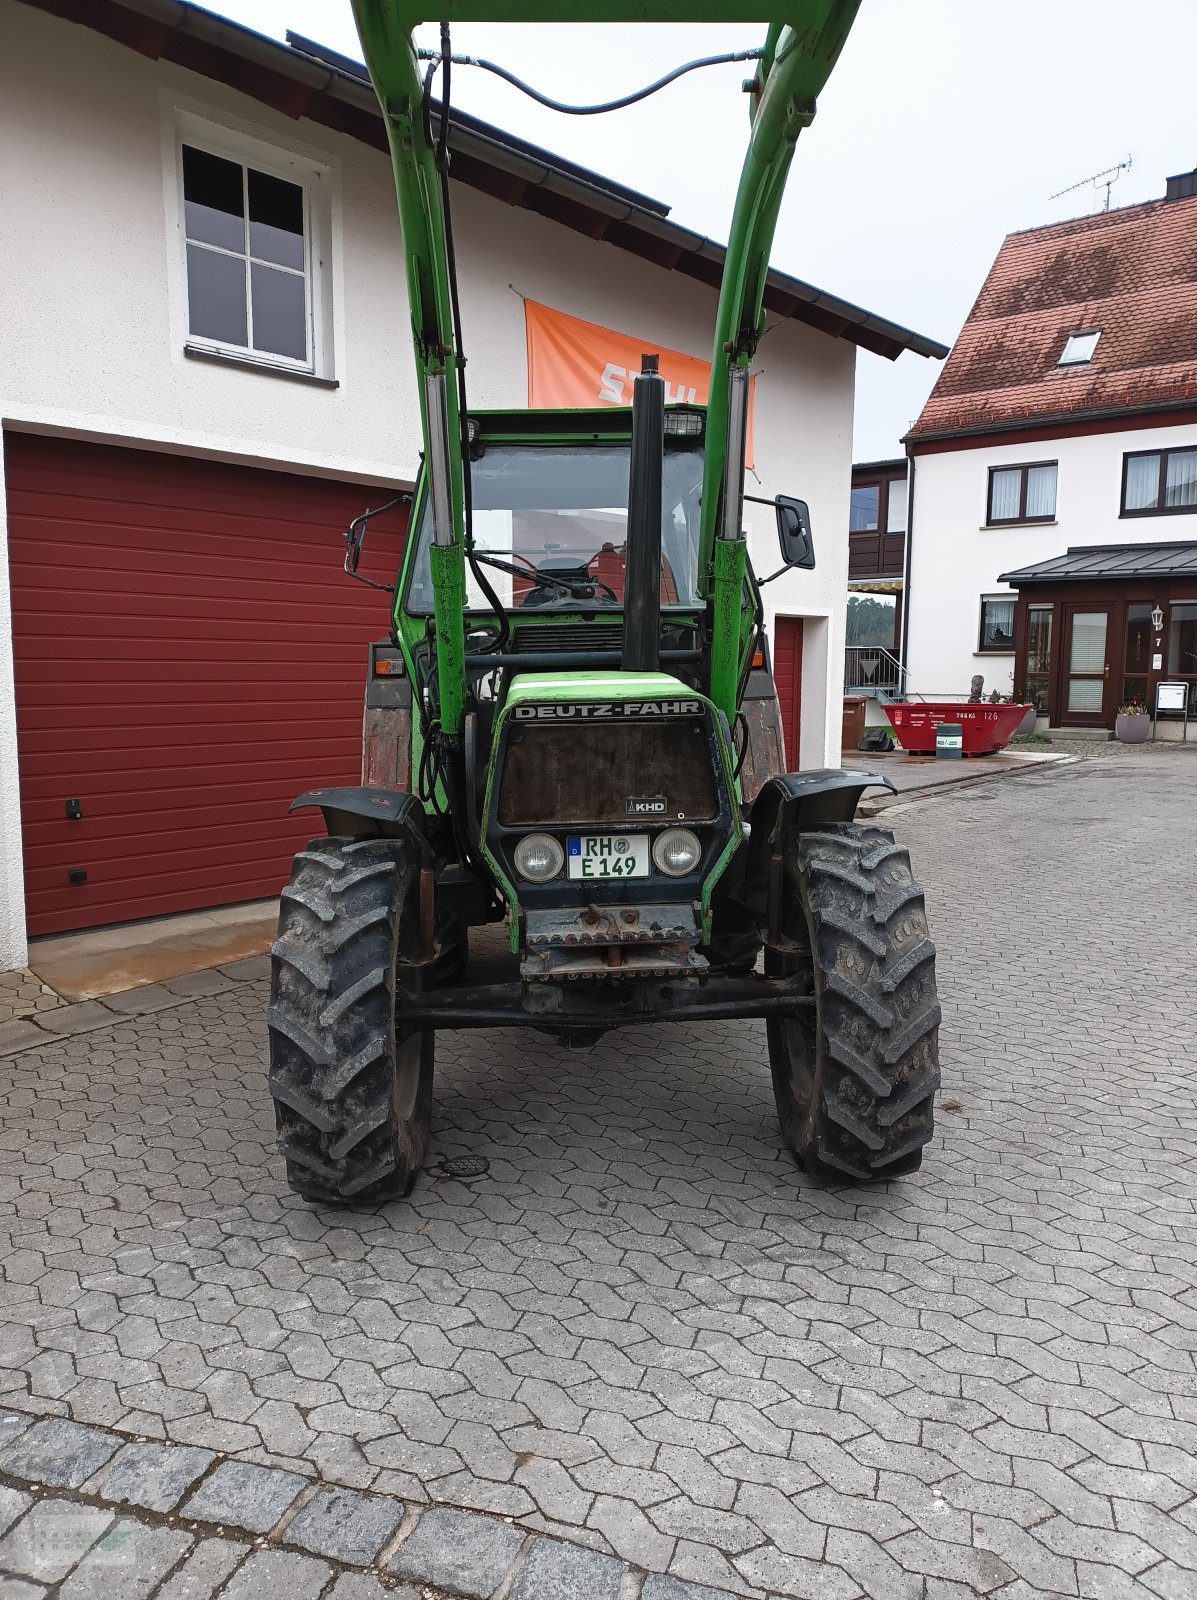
(363, 813)
(802, 799)
(829, 795)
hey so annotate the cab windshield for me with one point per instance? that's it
(550, 529)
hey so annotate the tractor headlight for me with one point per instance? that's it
(676, 852)
(538, 857)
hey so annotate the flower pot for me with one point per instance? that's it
(1131, 730)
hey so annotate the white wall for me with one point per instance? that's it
(91, 281)
(955, 559)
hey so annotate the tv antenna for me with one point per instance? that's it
(1109, 177)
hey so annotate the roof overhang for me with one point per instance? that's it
(1110, 563)
(303, 79)
(1049, 424)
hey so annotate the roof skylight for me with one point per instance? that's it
(1079, 348)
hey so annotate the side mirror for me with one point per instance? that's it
(793, 533)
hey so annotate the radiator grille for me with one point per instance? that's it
(567, 636)
(587, 772)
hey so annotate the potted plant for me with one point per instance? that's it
(1133, 723)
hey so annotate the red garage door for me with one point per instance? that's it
(189, 658)
(787, 675)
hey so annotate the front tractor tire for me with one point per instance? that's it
(352, 1088)
(855, 1074)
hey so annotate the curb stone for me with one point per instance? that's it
(56, 1023)
(181, 1499)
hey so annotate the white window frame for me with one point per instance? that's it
(1078, 339)
(314, 180)
(1010, 598)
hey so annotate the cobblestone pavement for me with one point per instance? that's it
(23, 994)
(640, 1328)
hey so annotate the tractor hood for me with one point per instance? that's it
(585, 755)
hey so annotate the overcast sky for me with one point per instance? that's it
(946, 125)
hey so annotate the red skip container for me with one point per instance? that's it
(985, 729)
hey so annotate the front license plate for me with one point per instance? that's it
(608, 855)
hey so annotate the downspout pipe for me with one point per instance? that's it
(642, 571)
(906, 564)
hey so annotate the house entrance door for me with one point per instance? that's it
(1089, 685)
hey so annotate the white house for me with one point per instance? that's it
(193, 410)
(1053, 471)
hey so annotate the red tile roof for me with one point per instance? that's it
(1132, 273)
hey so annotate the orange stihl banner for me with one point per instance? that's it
(576, 363)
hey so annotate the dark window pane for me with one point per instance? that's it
(997, 624)
(895, 516)
(280, 312)
(216, 295)
(1039, 639)
(212, 199)
(1005, 494)
(863, 515)
(1138, 638)
(1182, 640)
(275, 220)
(1036, 691)
(1180, 483)
(1041, 491)
(1134, 692)
(1142, 482)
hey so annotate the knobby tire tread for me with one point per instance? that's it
(855, 1077)
(336, 979)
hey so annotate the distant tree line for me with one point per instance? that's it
(870, 620)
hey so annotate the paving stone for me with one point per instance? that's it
(18, 1034)
(248, 970)
(80, 1017)
(138, 1002)
(155, 1476)
(660, 1586)
(22, 994)
(361, 1586)
(345, 1525)
(458, 1549)
(277, 1575)
(642, 1328)
(21, 1589)
(241, 1495)
(564, 1571)
(204, 1571)
(193, 985)
(629, 1532)
(59, 1453)
(12, 1424)
(127, 1562)
(13, 1504)
(51, 1538)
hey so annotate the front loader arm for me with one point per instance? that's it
(804, 40)
(799, 56)
(385, 32)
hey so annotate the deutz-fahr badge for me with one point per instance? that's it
(648, 805)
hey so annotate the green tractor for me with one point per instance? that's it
(570, 731)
